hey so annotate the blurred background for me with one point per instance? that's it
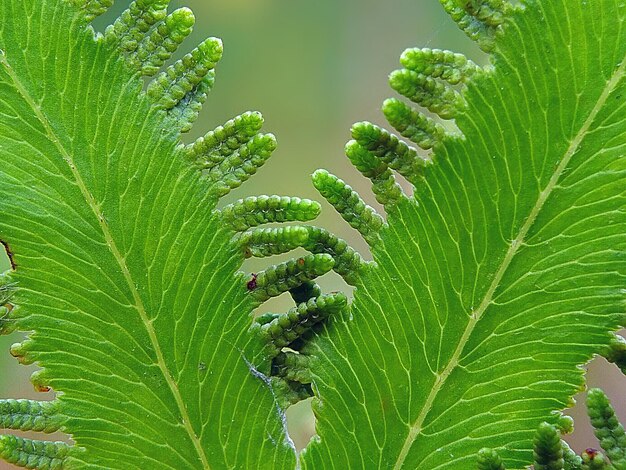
(312, 69)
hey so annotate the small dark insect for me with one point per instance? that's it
(252, 282)
(591, 452)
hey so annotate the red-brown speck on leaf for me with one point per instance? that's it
(252, 282)
(591, 452)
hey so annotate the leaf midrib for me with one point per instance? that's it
(106, 232)
(416, 427)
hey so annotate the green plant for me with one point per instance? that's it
(488, 289)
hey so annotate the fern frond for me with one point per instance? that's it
(34, 454)
(7, 323)
(285, 276)
(488, 459)
(350, 206)
(608, 429)
(283, 330)
(479, 19)
(20, 351)
(570, 459)
(348, 262)
(428, 79)
(427, 92)
(180, 79)
(125, 274)
(392, 151)
(274, 241)
(291, 372)
(187, 110)
(502, 275)
(292, 367)
(449, 66)
(7, 288)
(289, 393)
(130, 28)
(564, 424)
(616, 352)
(548, 452)
(258, 210)
(305, 292)
(30, 415)
(157, 47)
(412, 124)
(211, 150)
(240, 165)
(388, 192)
(91, 9)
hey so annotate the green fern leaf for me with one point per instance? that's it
(506, 271)
(487, 291)
(124, 271)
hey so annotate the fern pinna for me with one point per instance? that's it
(489, 288)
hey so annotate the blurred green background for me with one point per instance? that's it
(312, 69)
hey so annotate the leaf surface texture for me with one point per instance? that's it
(506, 271)
(126, 273)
